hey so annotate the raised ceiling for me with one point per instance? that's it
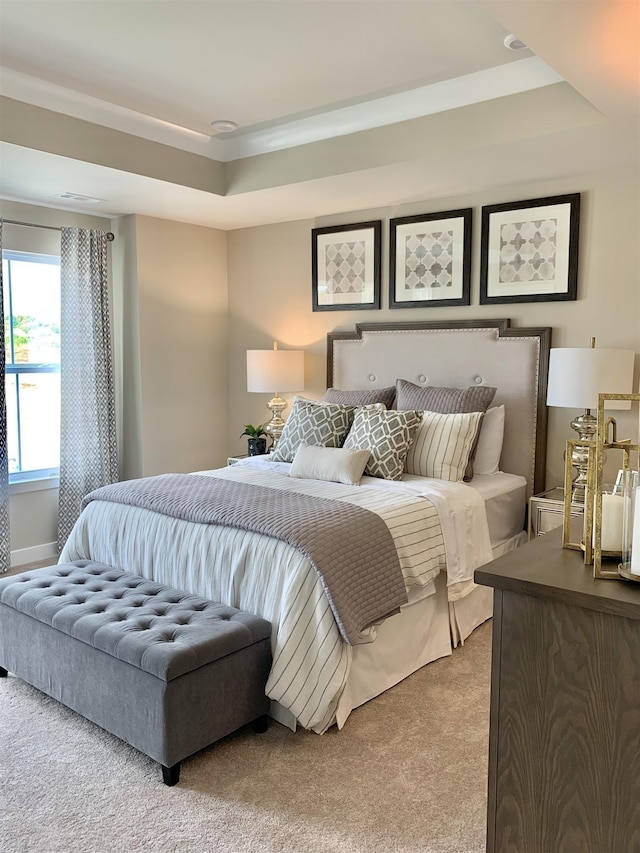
(340, 105)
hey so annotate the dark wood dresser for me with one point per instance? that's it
(564, 745)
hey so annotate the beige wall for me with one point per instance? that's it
(182, 327)
(270, 291)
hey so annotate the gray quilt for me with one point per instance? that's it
(350, 548)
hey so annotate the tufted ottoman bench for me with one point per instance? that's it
(166, 671)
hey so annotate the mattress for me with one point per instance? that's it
(505, 497)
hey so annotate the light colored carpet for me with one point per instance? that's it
(407, 773)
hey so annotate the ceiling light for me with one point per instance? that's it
(514, 43)
(224, 125)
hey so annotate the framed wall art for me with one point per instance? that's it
(346, 266)
(430, 259)
(530, 250)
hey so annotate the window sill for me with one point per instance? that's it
(38, 485)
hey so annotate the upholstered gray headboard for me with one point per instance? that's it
(487, 352)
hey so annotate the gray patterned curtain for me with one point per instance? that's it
(5, 544)
(88, 450)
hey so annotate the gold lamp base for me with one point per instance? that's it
(586, 427)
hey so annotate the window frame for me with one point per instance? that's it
(48, 476)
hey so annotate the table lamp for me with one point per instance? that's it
(576, 377)
(271, 369)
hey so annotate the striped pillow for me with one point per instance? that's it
(442, 445)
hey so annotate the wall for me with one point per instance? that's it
(270, 291)
(174, 327)
(33, 514)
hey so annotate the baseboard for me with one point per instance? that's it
(37, 552)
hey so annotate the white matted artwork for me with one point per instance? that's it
(346, 266)
(430, 259)
(530, 250)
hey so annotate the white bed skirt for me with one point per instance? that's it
(421, 633)
(405, 642)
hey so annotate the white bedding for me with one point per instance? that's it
(311, 662)
(505, 497)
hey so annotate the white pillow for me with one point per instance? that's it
(442, 445)
(489, 449)
(335, 464)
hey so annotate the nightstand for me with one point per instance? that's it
(546, 511)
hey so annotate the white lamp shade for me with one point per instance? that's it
(269, 371)
(578, 375)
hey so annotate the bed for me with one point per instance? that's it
(320, 674)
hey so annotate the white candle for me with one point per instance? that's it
(635, 542)
(612, 516)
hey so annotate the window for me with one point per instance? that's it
(31, 290)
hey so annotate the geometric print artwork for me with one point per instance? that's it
(345, 267)
(429, 260)
(528, 251)
(387, 435)
(313, 423)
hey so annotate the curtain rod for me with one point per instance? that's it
(110, 236)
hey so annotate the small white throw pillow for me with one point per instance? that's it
(335, 464)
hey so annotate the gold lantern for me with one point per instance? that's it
(606, 439)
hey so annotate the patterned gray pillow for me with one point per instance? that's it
(315, 423)
(447, 401)
(387, 435)
(361, 397)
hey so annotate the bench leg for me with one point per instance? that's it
(171, 775)
(3, 672)
(261, 724)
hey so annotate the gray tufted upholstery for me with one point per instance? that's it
(166, 671)
(158, 629)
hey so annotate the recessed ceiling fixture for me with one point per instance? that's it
(224, 125)
(514, 43)
(77, 197)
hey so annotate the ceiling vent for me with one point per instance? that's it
(86, 199)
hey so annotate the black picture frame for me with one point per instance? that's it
(529, 250)
(430, 255)
(346, 266)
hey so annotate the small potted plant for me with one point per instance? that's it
(257, 439)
